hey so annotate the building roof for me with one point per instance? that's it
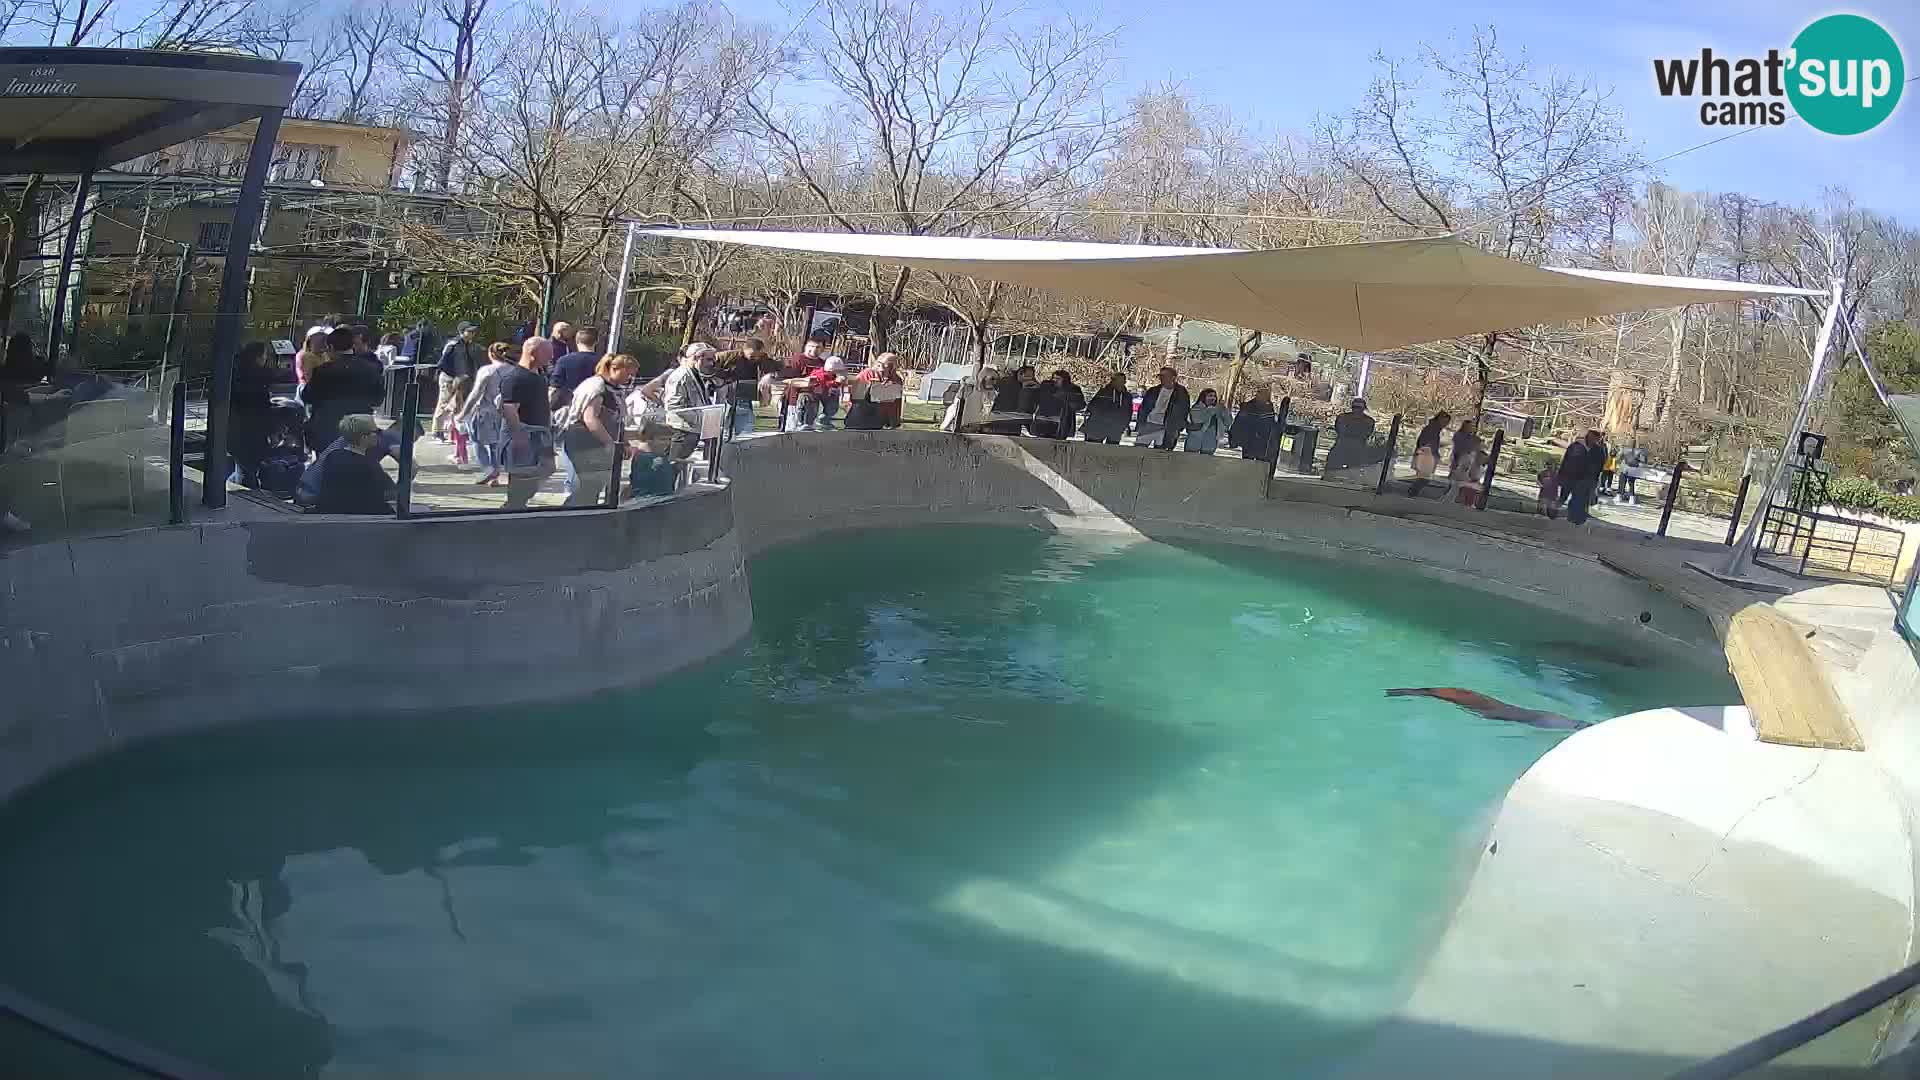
(1362, 296)
(76, 110)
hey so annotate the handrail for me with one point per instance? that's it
(1754, 1054)
(98, 1041)
(1790, 533)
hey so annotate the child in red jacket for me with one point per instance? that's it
(823, 394)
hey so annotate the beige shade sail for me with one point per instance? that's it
(1366, 297)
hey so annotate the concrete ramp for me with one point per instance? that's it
(1654, 892)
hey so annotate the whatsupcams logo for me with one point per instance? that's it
(1843, 75)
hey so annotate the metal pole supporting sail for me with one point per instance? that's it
(1741, 558)
(618, 318)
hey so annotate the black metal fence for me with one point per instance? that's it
(1809, 544)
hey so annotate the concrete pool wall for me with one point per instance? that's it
(114, 638)
(790, 489)
(1664, 865)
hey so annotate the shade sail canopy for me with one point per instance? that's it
(77, 110)
(1216, 337)
(1362, 296)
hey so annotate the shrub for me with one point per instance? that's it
(1860, 493)
(446, 301)
(1854, 493)
(1529, 460)
(656, 352)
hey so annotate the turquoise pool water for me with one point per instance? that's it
(970, 803)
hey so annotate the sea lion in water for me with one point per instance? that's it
(1492, 708)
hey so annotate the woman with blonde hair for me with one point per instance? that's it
(593, 426)
(479, 415)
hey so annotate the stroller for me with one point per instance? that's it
(285, 453)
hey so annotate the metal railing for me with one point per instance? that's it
(1752, 1055)
(138, 1059)
(1810, 544)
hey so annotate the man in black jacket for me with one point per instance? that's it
(460, 358)
(1580, 472)
(1163, 413)
(575, 367)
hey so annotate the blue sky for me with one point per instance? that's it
(1278, 65)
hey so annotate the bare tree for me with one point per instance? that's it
(322, 65)
(365, 33)
(191, 25)
(960, 112)
(444, 43)
(588, 124)
(1475, 141)
(20, 208)
(1675, 228)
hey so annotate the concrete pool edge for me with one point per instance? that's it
(890, 479)
(896, 478)
(156, 631)
(108, 640)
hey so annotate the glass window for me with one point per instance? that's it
(213, 236)
(302, 161)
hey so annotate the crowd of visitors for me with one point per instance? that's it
(1160, 417)
(1465, 457)
(560, 403)
(1574, 483)
(556, 403)
(519, 413)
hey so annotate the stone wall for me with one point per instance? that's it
(120, 637)
(790, 488)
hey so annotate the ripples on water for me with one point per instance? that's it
(971, 803)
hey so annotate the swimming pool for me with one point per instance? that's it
(970, 802)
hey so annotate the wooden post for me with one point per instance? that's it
(1249, 343)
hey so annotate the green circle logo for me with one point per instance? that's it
(1846, 75)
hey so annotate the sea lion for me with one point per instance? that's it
(1492, 708)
